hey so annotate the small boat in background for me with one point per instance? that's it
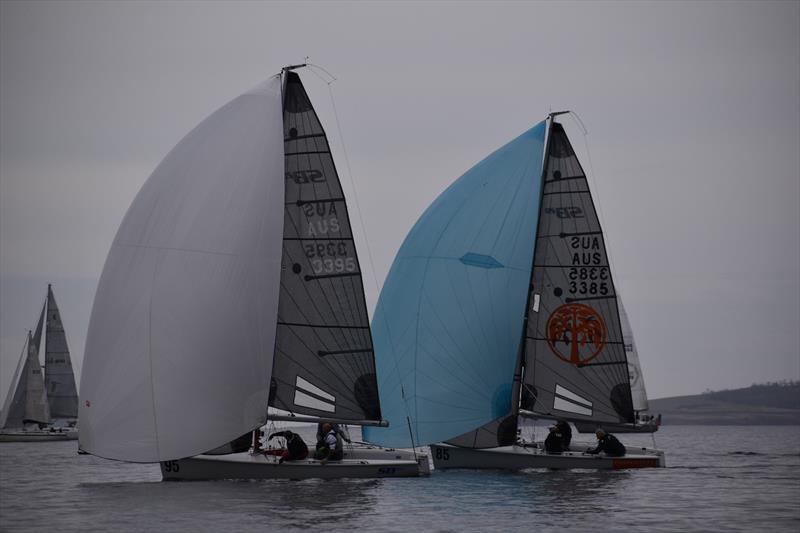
(42, 407)
(642, 422)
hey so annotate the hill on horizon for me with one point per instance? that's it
(760, 404)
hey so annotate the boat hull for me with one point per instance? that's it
(363, 463)
(522, 457)
(37, 436)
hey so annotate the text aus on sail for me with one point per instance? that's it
(322, 222)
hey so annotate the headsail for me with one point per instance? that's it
(324, 363)
(449, 321)
(575, 364)
(179, 349)
(29, 400)
(62, 394)
(638, 391)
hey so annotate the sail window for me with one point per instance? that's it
(304, 400)
(480, 261)
(309, 395)
(301, 383)
(566, 400)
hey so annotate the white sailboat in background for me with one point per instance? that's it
(42, 406)
(500, 304)
(642, 422)
(233, 284)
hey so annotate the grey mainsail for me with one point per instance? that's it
(324, 363)
(29, 401)
(575, 363)
(62, 394)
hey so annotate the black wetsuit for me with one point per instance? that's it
(294, 444)
(610, 445)
(554, 442)
(566, 433)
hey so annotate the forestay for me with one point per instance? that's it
(575, 364)
(449, 320)
(179, 350)
(324, 363)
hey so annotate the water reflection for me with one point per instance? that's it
(312, 502)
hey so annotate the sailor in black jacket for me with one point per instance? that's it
(608, 443)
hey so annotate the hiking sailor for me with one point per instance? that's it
(608, 443)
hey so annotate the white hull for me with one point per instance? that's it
(360, 462)
(521, 457)
(37, 435)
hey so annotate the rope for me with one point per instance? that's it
(331, 78)
(599, 203)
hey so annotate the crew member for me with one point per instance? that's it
(329, 445)
(295, 449)
(608, 443)
(566, 433)
(554, 443)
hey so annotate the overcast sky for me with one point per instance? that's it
(692, 109)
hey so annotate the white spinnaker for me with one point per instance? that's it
(179, 350)
(638, 392)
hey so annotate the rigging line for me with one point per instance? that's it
(358, 293)
(351, 179)
(366, 239)
(599, 204)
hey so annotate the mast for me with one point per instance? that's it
(517, 388)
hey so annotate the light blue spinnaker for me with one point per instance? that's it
(449, 320)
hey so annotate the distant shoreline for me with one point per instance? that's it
(771, 404)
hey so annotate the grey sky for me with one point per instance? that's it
(693, 113)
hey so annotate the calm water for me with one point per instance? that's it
(718, 478)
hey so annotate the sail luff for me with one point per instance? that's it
(520, 371)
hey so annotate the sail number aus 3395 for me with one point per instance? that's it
(588, 280)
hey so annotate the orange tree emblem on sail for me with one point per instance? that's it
(576, 333)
